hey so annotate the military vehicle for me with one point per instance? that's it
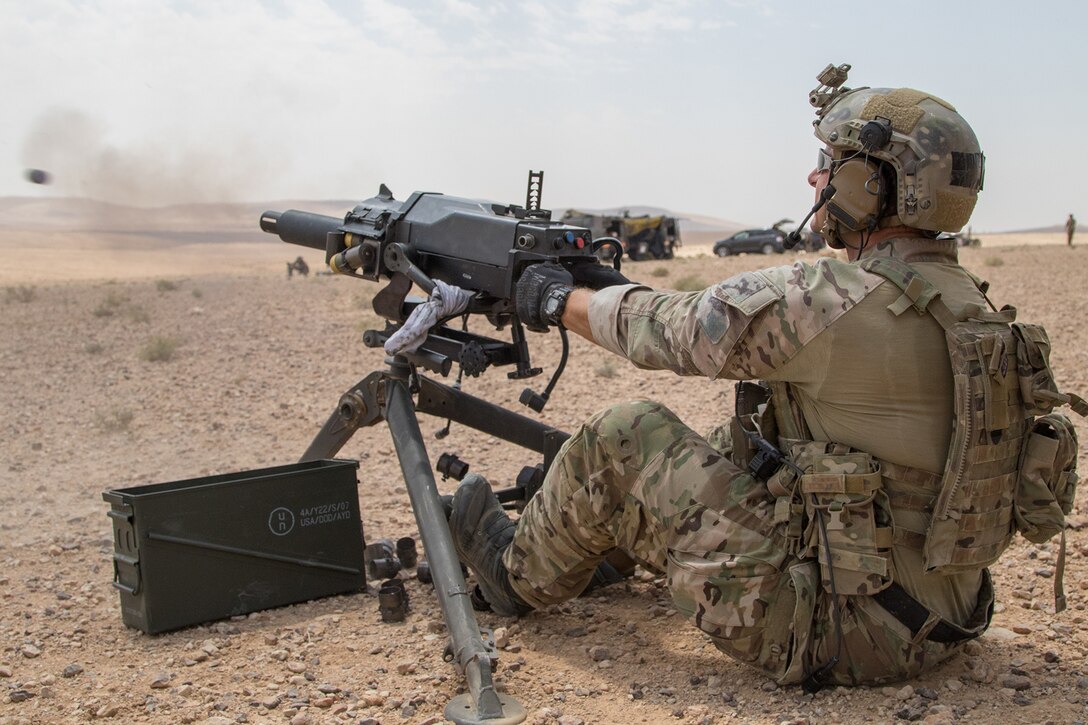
(642, 237)
(965, 239)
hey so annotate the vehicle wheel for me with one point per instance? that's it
(722, 251)
(767, 248)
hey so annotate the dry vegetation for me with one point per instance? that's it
(95, 396)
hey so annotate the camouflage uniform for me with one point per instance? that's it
(635, 477)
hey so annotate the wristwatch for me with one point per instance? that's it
(555, 301)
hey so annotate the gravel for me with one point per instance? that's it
(258, 370)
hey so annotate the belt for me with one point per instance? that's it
(913, 615)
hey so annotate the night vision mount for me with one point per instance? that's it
(831, 87)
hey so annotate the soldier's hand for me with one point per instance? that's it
(596, 276)
(541, 295)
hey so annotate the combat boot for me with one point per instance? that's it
(481, 532)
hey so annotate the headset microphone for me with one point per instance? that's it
(794, 237)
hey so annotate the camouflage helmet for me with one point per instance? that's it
(938, 164)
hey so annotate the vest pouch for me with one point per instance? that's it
(1037, 386)
(1048, 479)
(846, 493)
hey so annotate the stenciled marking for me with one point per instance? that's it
(325, 514)
(281, 521)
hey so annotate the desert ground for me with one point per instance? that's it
(136, 360)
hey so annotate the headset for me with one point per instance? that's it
(854, 194)
(858, 201)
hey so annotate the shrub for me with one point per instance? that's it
(109, 306)
(660, 272)
(115, 299)
(606, 369)
(197, 293)
(22, 293)
(137, 314)
(159, 349)
(93, 348)
(690, 283)
(994, 261)
(117, 420)
(165, 285)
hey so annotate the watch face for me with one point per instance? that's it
(551, 305)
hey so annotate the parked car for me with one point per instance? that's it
(810, 241)
(764, 241)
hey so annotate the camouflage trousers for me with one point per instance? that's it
(635, 477)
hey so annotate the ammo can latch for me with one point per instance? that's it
(126, 558)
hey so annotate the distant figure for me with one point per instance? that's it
(1070, 227)
(300, 266)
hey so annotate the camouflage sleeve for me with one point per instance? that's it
(745, 327)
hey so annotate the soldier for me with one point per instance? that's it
(838, 529)
(300, 266)
(1070, 228)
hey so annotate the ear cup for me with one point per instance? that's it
(856, 202)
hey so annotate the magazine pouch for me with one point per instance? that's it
(849, 525)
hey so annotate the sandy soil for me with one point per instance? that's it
(259, 363)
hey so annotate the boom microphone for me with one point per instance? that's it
(794, 237)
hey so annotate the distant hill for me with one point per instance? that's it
(1052, 229)
(238, 221)
(213, 222)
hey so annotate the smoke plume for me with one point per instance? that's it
(74, 149)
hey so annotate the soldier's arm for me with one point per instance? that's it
(638, 323)
(576, 313)
(745, 327)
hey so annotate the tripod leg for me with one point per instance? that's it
(357, 409)
(473, 657)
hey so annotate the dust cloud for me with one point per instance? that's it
(74, 148)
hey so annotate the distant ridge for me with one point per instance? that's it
(236, 220)
(1053, 229)
(233, 221)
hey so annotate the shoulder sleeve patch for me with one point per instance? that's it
(747, 293)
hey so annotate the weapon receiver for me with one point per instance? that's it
(476, 245)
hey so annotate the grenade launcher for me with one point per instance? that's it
(481, 247)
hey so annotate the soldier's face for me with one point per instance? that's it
(818, 179)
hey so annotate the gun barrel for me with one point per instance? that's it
(300, 227)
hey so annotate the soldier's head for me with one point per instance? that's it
(895, 157)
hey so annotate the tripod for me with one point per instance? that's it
(386, 395)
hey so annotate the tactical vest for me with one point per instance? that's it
(996, 480)
(1007, 468)
(971, 519)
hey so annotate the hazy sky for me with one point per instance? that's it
(695, 105)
